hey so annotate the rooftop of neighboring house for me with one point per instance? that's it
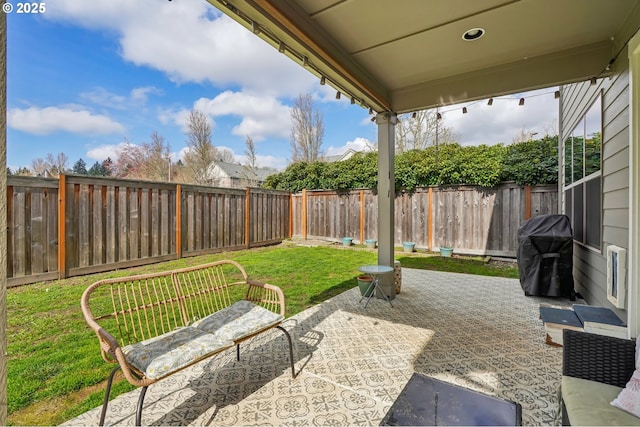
(237, 171)
(338, 158)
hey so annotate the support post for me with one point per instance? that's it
(3, 220)
(386, 195)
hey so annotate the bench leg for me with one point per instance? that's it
(293, 369)
(143, 391)
(106, 395)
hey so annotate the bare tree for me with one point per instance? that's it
(307, 130)
(551, 128)
(201, 153)
(156, 166)
(147, 161)
(57, 164)
(421, 129)
(523, 135)
(39, 167)
(250, 168)
(225, 155)
(129, 161)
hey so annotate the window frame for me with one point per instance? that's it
(570, 188)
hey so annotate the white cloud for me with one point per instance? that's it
(190, 41)
(260, 116)
(48, 120)
(101, 96)
(502, 121)
(140, 95)
(358, 144)
(137, 97)
(101, 152)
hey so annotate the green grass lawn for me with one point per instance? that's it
(55, 371)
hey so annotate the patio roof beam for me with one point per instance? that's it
(534, 73)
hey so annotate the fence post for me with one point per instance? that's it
(290, 215)
(178, 221)
(247, 221)
(362, 216)
(527, 202)
(304, 213)
(62, 229)
(430, 219)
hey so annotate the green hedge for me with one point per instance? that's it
(526, 163)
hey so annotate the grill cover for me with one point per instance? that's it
(545, 256)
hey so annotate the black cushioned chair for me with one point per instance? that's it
(598, 358)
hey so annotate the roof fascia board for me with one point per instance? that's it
(286, 22)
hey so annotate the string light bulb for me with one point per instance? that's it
(338, 95)
(490, 101)
(281, 47)
(413, 116)
(521, 101)
(438, 116)
(464, 110)
(556, 94)
(353, 100)
(323, 81)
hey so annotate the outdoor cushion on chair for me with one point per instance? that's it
(582, 397)
(167, 353)
(238, 321)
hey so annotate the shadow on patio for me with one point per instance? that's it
(476, 331)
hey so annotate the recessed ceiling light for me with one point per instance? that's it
(473, 34)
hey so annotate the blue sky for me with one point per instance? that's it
(85, 76)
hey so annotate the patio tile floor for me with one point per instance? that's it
(475, 331)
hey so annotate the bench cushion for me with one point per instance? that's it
(239, 320)
(588, 403)
(170, 352)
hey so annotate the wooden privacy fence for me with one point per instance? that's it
(472, 219)
(78, 225)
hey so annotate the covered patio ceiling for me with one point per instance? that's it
(409, 55)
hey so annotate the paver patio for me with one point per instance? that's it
(476, 331)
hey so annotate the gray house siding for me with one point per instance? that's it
(590, 264)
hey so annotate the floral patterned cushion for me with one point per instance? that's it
(167, 353)
(238, 320)
(629, 398)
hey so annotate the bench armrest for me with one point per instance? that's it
(266, 295)
(598, 358)
(109, 346)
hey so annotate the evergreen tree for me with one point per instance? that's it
(97, 170)
(107, 166)
(80, 167)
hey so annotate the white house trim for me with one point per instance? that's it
(634, 187)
